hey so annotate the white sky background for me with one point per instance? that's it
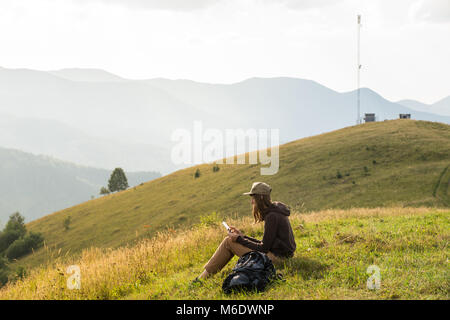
(405, 44)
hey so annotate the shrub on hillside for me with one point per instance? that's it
(197, 173)
(24, 245)
(104, 191)
(16, 249)
(7, 238)
(34, 239)
(14, 229)
(66, 223)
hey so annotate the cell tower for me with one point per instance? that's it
(358, 118)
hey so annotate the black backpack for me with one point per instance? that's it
(253, 271)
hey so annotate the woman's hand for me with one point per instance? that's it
(234, 230)
(233, 236)
(234, 233)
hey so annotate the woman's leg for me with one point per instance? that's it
(226, 250)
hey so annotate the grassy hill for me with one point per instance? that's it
(334, 250)
(392, 163)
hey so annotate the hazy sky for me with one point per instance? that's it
(405, 45)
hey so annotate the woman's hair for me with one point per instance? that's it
(262, 202)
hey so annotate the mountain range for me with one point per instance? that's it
(95, 118)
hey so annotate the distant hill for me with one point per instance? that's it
(128, 111)
(415, 105)
(381, 164)
(38, 185)
(88, 75)
(441, 107)
(51, 137)
(299, 107)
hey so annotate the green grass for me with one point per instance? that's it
(331, 263)
(383, 164)
(334, 250)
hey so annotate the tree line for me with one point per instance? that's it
(15, 242)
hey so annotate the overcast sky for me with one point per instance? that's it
(405, 45)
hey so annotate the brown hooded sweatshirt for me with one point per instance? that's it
(278, 236)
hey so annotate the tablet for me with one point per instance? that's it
(226, 225)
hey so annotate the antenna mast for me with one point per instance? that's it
(358, 118)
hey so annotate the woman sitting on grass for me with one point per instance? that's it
(278, 241)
